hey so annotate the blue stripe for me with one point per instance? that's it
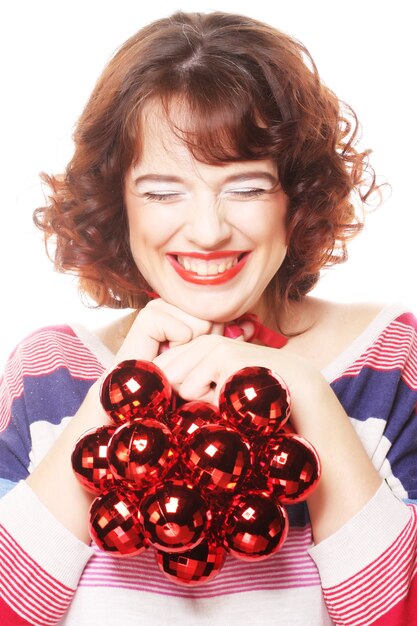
(374, 393)
(6, 486)
(49, 398)
(384, 395)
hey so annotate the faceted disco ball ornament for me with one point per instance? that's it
(255, 526)
(255, 400)
(190, 479)
(135, 389)
(174, 516)
(141, 452)
(114, 523)
(191, 416)
(291, 466)
(193, 567)
(217, 457)
(89, 459)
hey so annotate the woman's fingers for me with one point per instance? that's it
(199, 356)
(198, 370)
(160, 323)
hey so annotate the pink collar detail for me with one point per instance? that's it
(262, 333)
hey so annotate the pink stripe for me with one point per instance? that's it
(408, 319)
(404, 612)
(367, 596)
(43, 353)
(368, 607)
(401, 544)
(8, 617)
(292, 567)
(395, 348)
(17, 601)
(19, 576)
(233, 573)
(30, 590)
(23, 557)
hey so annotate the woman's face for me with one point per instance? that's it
(207, 238)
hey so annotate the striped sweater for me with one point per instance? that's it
(361, 575)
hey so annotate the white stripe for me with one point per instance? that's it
(296, 607)
(376, 597)
(364, 538)
(44, 537)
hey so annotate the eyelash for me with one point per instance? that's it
(244, 193)
(249, 193)
(160, 197)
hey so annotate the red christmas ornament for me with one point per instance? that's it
(217, 457)
(174, 516)
(114, 523)
(135, 389)
(89, 459)
(237, 447)
(255, 526)
(291, 466)
(255, 400)
(193, 567)
(141, 452)
(191, 416)
(176, 401)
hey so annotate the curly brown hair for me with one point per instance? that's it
(253, 92)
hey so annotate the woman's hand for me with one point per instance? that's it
(198, 370)
(159, 325)
(53, 479)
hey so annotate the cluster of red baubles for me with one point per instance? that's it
(193, 480)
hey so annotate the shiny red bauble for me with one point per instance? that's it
(141, 452)
(114, 523)
(174, 516)
(191, 416)
(89, 459)
(217, 458)
(193, 567)
(291, 466)
(255, 526)
(189, 479)
(135, 389)
(256, 401)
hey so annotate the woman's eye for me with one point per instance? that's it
(161, 196)
(249, 192)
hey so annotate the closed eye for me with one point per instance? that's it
(161, 196)
(250, 192)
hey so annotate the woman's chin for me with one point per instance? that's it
(211, 311)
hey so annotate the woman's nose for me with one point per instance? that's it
(207, 226)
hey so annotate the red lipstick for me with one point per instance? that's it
(214, 279)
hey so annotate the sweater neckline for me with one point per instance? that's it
(363, 341)
(331, 372)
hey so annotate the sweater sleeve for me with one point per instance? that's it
(44, 382)
(368, 566)
(36, 585)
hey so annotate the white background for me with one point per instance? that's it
(51, 53)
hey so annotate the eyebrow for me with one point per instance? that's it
(241, 177)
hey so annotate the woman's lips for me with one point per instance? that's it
(192, 276)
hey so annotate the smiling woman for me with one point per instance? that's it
(280, 111)
(214, 175)
(194, 225)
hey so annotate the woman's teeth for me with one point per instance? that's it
(207, 268)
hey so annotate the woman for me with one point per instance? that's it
(214, 175)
